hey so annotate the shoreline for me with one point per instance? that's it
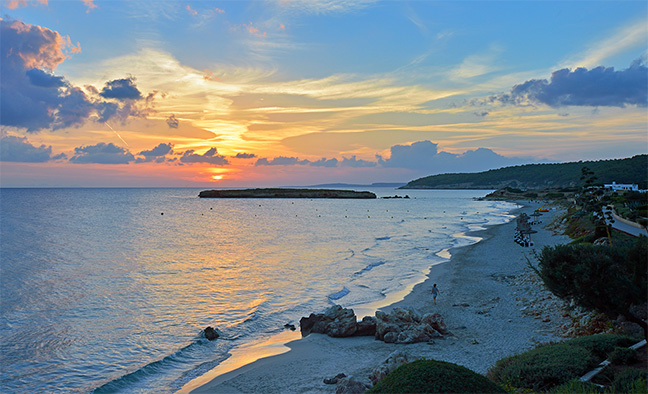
(480, 301)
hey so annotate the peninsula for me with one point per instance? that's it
(285, 193)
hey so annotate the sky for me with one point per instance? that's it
(118, 93)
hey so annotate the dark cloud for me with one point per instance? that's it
(211, 156)
(34, 98)
(245, 156)
(102, 153)
(281, 161)
(598, 87)
(121, 89)
(38, 77)
(323, 162)
(157, 154)
(18, 149)
(353, 162)
(173, 122)
(481, 114)
(425, 156)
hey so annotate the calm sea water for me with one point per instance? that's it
(107, 290)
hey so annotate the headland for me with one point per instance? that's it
(286, 193)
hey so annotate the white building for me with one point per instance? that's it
(622, 187)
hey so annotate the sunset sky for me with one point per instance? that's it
(267, 93)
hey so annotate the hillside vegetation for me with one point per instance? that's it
(541, 176)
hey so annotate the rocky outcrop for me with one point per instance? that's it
(366, 327)
(395, 360)
(351, 385)
(285, 193)
(408, 326)
(337, 322)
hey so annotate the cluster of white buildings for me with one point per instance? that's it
(622, 187)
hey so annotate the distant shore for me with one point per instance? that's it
(286, 193)
(489, 301)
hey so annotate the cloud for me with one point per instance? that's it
(191, 10)
(157, 154)
(598, 87)
(34, 98)
(90, 4)
(121, 89)
(172, 122)
(13, 4)
(245, 156)
(101, 153)
(281, 161)
(40, 78)
(211, 157)
(323, 7)
(18, 149)
(628, 37)
(425, 156)
(353, 162)
(323, 162)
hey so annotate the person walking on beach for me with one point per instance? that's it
(435, 292)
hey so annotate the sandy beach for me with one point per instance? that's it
(488, 298)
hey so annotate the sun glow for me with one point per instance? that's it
(217, 177)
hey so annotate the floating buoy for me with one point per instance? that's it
(161, 213)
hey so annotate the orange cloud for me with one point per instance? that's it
(90, 4)
(51, 53)
(191, 10)
(282, 27)
(13, 4)
(209, 76)
(254, 31)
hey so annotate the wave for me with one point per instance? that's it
(180, 360)
(339, 294)
(368, 268)
(382, 238)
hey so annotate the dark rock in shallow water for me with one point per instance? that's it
(286, 193)
(290, 326)
(334, 379)
(211, 334)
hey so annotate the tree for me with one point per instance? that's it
(612, 280)
(591, 200)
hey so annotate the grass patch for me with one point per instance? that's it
(601, 345)
(631, 381)
(543, 368)
(578, 387)
(431, 376)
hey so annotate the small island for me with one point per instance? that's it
(285, 193)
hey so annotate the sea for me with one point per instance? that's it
(109, 290)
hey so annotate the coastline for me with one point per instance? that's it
(486, 301)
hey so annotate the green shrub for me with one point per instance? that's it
(430, 376)
(577, 387)
(631, 381)
(600, 345)
(622, 356)
(555, 195)
(543, 368)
